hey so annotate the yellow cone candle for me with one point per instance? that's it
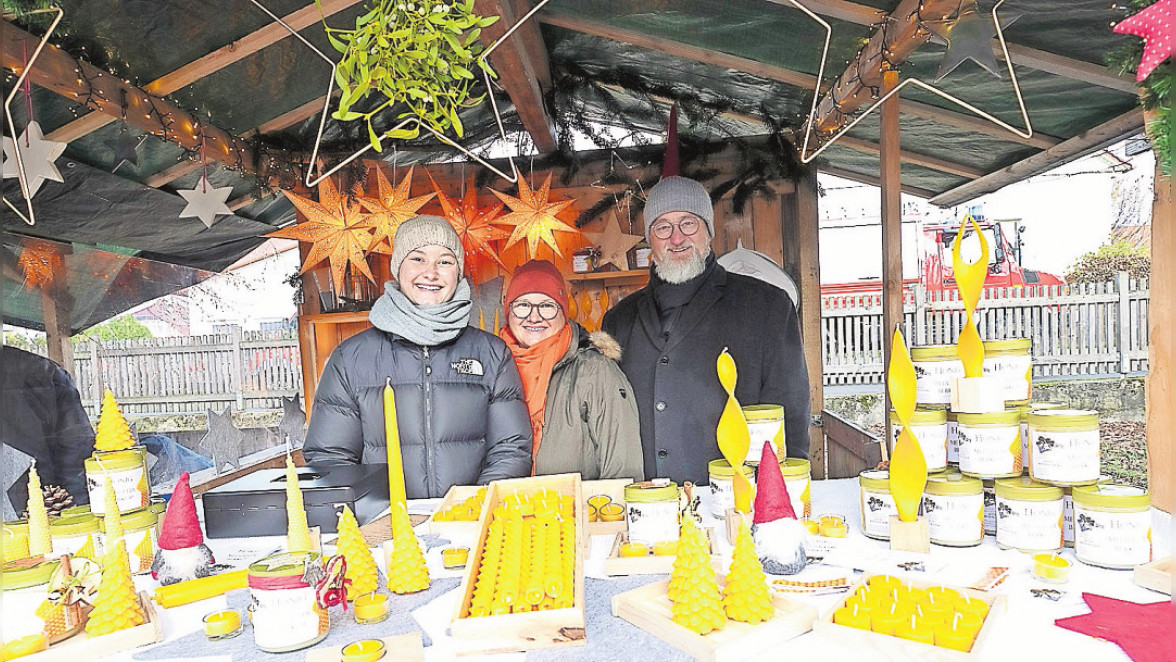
(40, 541)
(117, 606)
(407, 572)
(113, 433)
(361, 565)
(696, 602)
(746, 597)
(297, 532)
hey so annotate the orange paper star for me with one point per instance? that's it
(390, 209)
(533, 217)
(336, 228)
(474, 225)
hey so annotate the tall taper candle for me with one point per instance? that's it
(396, 493)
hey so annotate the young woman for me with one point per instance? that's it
(459, 402)
(583, 416)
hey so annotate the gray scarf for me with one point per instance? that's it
(422, 325)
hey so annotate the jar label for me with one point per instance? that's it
(131, 489)
(932, 441)
(71, 545)
(933, 380)
(655, 522)
(989, 511)
(955, 518)
(722, 497)
(877, 507)
(141, 549)
(1064, 456)
(1013, 372)
(990, 450)
(1112, 539)
(953, 441)
(1068, 518)
(759, 433)
(1031, 525)
(285, 618)
(798, 494)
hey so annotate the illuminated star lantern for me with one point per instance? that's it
(36, 262)
(392, 207)
(206, 202)
(533, 217)
(336, 228)
(614, 244)
(36, 154)
(1154, 25)
(474, 225)
(968, 37)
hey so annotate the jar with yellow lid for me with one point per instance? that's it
(797, 474)
(764, 423)
(77, 533)
(876, 503)
(14, 576)
(990, 444)
(285, 613)
(1112, 526)
(76, 510)
(936, 367)
(1064, 446)
(722, 485)
(140, 535)
(1068, 509)
(1025, 409)
(930, 429)
(127, 469)
(652, 511)
(14, 540)
(1011, 361)
(1028, 515)
(954, 507)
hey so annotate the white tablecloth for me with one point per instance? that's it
(1026, 632)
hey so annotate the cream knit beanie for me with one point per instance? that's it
(424, 231)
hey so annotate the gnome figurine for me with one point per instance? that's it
(182, 554)
(778, 535)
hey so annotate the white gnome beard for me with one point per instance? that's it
(780, 545)
(176, 565)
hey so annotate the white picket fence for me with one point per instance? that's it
(1083, 329)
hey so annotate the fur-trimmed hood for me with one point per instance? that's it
(606, 344)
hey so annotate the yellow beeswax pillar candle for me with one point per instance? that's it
(113, 433)
(117, 606)
(361, 565)
(396, 492)
(40, 542)
(297, 531)
(746, 597)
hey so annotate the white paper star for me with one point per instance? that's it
(37, 155)
(205, 202)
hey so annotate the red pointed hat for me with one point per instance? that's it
(771, 493)
(181, 527)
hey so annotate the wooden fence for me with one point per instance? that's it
(251, 370)
(1083, 329)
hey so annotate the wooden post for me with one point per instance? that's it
(805, 231)
(1161, 410)
(889, 165)
(56, 312)
(96, 367)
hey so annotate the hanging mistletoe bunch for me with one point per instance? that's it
(1154, 91)
(422, 53)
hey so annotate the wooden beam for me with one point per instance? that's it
(807, 225)
(875, 181)
(850, 12)
(974, 123)
(1088, 141)
(532, 40)
(214, 61)
(172, 173)
(55, 71)
(518, 74)
(1161, 405)
(890, 168)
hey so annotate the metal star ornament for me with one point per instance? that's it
(124, 147)
(293, 423)
(337, 229)
(614, 245)
(391, 207)
(37, 156)
(533, 216)
(206, 202)
(223, 441)
(474, 226)
(969, 37)
(1154, 25)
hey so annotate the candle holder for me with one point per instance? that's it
(222, 625)
(455, 558)
(370, 608)
(611, 512)
(910, 536)
(365, 650)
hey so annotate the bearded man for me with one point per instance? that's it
(673, 329)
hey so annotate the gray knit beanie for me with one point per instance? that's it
(678, 194)
(424, 231)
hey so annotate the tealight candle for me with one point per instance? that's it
(665, 548)
(222, 625)
(854, 617)
(950, 635)
(366, 650)
(371, 608)
(914, 629)
(593, 513)
(812, 526)
(884, 582)
(931, 613)
(832, 526)
(599, 500)
(455, 558)
(910, 594)
(942, 594)
(34, 643)
(633, 549)
(970, 605)
(611, 512)
(884, 620)
(1051, 568)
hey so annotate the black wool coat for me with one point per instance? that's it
(679, 398)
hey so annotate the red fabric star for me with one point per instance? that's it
(1144, 632)
(1154, 25)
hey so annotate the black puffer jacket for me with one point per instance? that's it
(460, 407)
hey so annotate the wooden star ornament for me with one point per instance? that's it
(534, 217)
(475, 226)
(36, 154)
(1154, 25)
(338, 231)
(614, 244)
(1139, 629)
(206, 202)
(391, 207)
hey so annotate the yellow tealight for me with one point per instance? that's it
(633, 549)
(612, 512)
(371, 608)
(599, 500)
(367, 650)
(665, 548)
(1051, 568)
(812, 526)
(222, 625)
(455, 557)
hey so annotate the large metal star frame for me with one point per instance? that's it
(31, 219)
(311, 180)
(806, 157)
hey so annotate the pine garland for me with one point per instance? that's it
(1155, 90)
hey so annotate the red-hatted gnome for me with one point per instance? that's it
(778, 535)
(182, 554)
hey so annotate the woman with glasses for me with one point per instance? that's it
(583, 415)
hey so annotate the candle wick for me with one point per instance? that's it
(918, 608)
(955, 621)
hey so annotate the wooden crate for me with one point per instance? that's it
(885, 647)
(648, 608)
(83, 647)
(530, 630)
(1156, 575)
(651, 564)
(614, 488)
(455, 531)
(400, 648)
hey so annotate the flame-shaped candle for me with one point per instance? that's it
(908, 467)
(732, 433)
(970, 279)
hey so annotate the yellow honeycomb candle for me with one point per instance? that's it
(14, 542)
(113, 433)
(297, 532)
(407, 572)
(361, 565)
(696, 603)
(40, 542)
(117, 606)
(746, 597)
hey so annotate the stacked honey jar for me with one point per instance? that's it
(1029, 474)
(938, 615)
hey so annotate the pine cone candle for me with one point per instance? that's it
(746, 597)
(40, 542)
(117, 606)
(407, 572)
(297, 532)
(361, 566)
(113, 434)
(698, 605)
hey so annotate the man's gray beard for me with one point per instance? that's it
(679, 272)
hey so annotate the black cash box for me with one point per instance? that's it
(255, 505)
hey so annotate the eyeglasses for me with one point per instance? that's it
(522, 309)
(665, 229)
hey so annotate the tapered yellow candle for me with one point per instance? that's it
(970, 280)
(396, 492)
(908, 467)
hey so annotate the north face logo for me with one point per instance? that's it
(468, 367)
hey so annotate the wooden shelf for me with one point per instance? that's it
(632, 274)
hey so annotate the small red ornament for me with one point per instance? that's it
(1154, 25)
(1138, 629)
